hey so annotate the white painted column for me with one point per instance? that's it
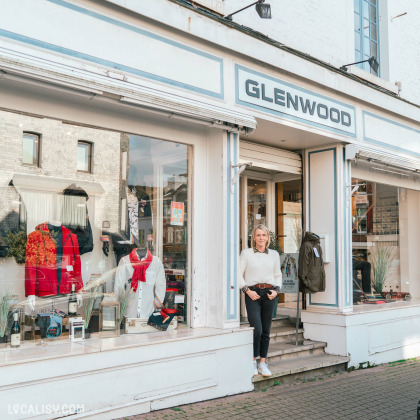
(222, 231)
(328, 214)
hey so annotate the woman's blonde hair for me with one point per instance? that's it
(264, 228)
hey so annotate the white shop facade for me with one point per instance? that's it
(120, 152)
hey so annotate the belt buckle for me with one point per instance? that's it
(259, 286)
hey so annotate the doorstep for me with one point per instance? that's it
(282, 368)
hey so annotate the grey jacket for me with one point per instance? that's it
(311, 271)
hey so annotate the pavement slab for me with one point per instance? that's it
(389, 391)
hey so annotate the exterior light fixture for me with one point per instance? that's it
(373, 63)
(263, 10)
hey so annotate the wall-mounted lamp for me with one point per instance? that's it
(263, 10)
(373, 63)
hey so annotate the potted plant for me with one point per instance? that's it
(5, 303)
(125, 295)
(381, 260)
(274, 244)
(16, 245)
(91, 293)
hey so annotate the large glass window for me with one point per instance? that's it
(366, 34)
(384, 242)
(93, 254)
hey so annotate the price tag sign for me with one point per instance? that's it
(179, 298)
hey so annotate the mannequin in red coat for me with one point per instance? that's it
(52, 262)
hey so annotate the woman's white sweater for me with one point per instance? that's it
(259, 267)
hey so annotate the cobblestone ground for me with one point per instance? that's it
(389, 391)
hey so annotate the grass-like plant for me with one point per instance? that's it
(5, 302)
(381, 260)
(91, 293)
(125, 295)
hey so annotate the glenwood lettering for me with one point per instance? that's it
(286, 99)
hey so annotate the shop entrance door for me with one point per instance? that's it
(273, 199)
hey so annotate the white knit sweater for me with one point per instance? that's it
(259, 267)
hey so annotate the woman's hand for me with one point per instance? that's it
(271, 294)
(252, 294)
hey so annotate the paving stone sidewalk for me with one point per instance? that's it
(389, 391)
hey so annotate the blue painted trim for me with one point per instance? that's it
(362, 36)
(232, 224)
(288, 116)
(236, 226)
(380, 143)
(114, 65)
(228, 225)
(335, 220)
(348, 286)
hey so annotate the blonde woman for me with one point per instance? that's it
(260, 280)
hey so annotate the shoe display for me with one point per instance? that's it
(255, 368)
(263, 369)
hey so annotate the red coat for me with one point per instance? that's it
(41, 263)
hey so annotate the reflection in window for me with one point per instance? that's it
(30, 149)
(376, 215)
(84, 156)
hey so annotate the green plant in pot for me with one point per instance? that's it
(16, 245)
(381, 259)
(274, 243)
(125, 294)
(91, 293)
(5, 303)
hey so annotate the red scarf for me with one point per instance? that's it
(140, 268)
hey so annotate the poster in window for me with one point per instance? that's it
(177, 213)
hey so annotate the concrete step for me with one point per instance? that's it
(286, 351)
(302, 368)
(278, 321)
(285, 335)
(281, 321)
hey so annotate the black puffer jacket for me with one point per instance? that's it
(311, 271)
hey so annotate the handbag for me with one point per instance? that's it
(161, 317)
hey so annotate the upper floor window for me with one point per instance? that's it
(31, 145)
(84, 156)
(366, 33)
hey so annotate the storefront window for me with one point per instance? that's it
(93, 255)
(381, 236)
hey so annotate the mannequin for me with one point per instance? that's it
(52, 262)
(145, 274)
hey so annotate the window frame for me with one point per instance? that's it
(37, 163)
(90, 155)
(360, 47)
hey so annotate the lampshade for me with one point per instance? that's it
(263, 10)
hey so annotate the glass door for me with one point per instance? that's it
(256, 206)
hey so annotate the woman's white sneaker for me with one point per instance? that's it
(255, 368)
(263, 369)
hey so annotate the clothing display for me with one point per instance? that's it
(52, 261)
(133, 208)
(75, 216)
(146, 276)
(311, 271)
(260, 267)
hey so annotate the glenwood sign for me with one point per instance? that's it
(275, 96)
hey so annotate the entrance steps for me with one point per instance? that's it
(289, 362)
